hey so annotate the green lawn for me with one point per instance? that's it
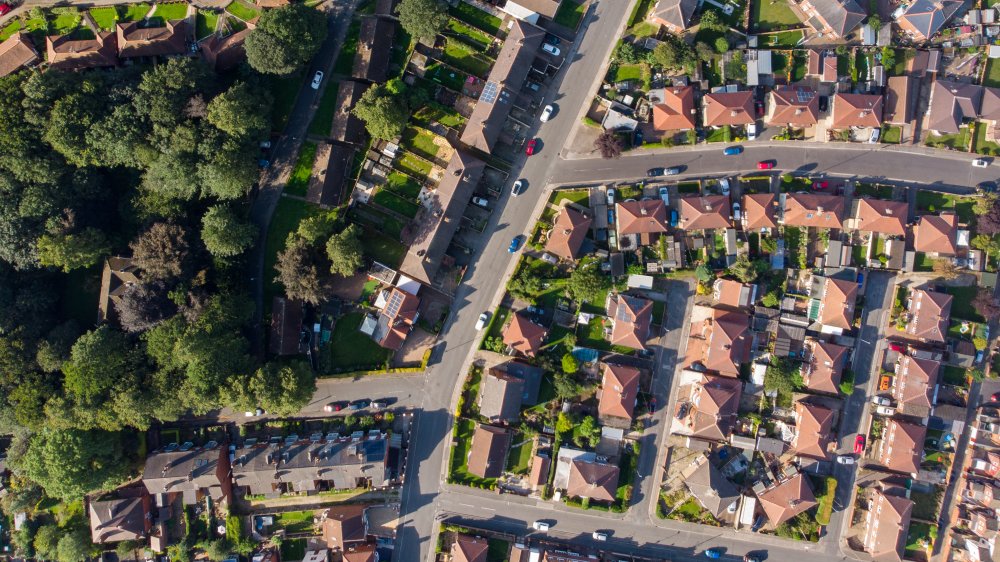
(403, 185)
(926, 504)
(954, 375)
(449, 77)
(383, 249)
(459, 473)
(463, 57)
(64, 23)
(293, 549)
(171, 11)
(957, 141)
(592, 335)
(298, 182)
(476, 17)
(992, 76)
(434, 112)
(783, 39)
(916, 536)
(206, 23)
(10, 29)
(351, 350)
(772, 15)
(578, 196)
(873, 190)
(689, 187)
(322, 120)
(720, 134)
(644, 29)
(389, 200)
(961, 305)
(892, 134)
(134, 12)
(414, 166)
(628, 72)
(499, 318)
(105, 17)
(982, 146)
(284, 89)
(348, 49)
(640, 11)
(922, 263)
(934, 201)
(779, 63)
(420, 141)
(243, 11)
(570, 13)
(295, 521)
(519, 459)
(497, 551)
(468, 34)
(287, 216)
(377, 220)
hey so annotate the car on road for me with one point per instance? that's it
(859, 443)
(736, 212)
(540, 526)
(358, 405)
(765, 165)
(317, 79)
(517, 188)
(546, 114)
(599, 536)
(550, 49)
(5, 8)
(713, 553)
(845, 459)
(672, 171)
(875, 134)
(995, 397)
(529, 149)
(611, 196)
(821, 184)
(378, 405)
(733, 150)
(674, 217)
(724, 186)
(333, 407)
(980, 163)
(255, 413)
(665, 195)
(515, 244)
(881, 400)
(480, 202)
(481, 322)
(656, 172)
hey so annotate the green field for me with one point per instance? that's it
(961, 304)
(957, 141)
(389, 200)
(783, 39)
(465, 58)
(298, 182)
(322, 120)
(172, 11)
(468, 34)
(434, 112)
(772, 15)
(519, 459)
(206, 22)
(64, 23)
(351, 350)
(403, 185)
(446, 76)
(413, 166)
(105, 17)
(134, 12)
(243, 11)
(420, 141)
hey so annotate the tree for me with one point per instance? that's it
(423, 19)
(710, 20)
(986, 305)
(588, 283)
(143, 306)
(782, 377)
(385, 115)
(570, 365)
(703, 273)
(625, 53)
(218, 550)
(888, 56)
(345, 251)
(609, 145)
(162, 251)
(721, 45)
(673, 53)
(47, 541)
(565, 386)
(302, 271)
(744, 269)
(946, 269)
(768, 245)
(876, 24)
(704, 52)
(589, 432)
(224, 233)
(564, 423)
(71, 463)
(279, 389)
(770, 300)
(75, 545)
(72, 251)
(985, 203)
(241, 111)
(285, 39)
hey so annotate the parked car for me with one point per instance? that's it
(358, 405)
(656, 172)
(733, 150)
(757, 523)
(724, 186)
(673, 218)
(821, 184)
(980, 163)
(611, 216)
(875, 134)
(713, 553)
(333, 407)
(254, 413)
(672, 171)
(881, 400)
(550, 49)
(515, 244)
(859, 443)
(751, 558)
(378, 405)
(317, 79)
(845, 459)
(546, 114)
(752, 131)
(760, 108)
(517, 188)
(530, 148)
(540, 526)
(598, 536)
(995, 397)
(665, 195)
(481, 322)
(897, 347)
(5, 8)
(736, 212)
(481, 202)
(611, 196)
(765, 165)
(885, 410)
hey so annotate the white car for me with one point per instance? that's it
(980, 163)
(546, 114)
(550, 49)
(540, 526)
(480, 202)
(481, 323)
(599, 536)
(751, 131)
(611, 196)
(875, 134)
(881, 400)
(517, 188)
(724, 185)
(845, 459)
(317, 79)
(885, 410)
(736, 212)
(665, 195)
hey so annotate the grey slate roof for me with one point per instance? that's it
(341, 463)
(843, 16)
(929, 16)
(500, 397)
(710, 487)
(675, 12)
(187, 472)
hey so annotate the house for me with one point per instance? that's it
(952, 104)
(914, 386)
(936, 235)
(594, 480)
(16, 53)
(286, 326)
(924, 18)
(361, 553)
(641, 218)
(371, 62)
(985, 493)
(64, 53)
(675, 15)
(631, 318)
(346, 126)
(710, 487)
(619, 388)
(568, 233)
(724, 339)
(469, 549)
(312, 466)
(835, 18)
(886, 525)
(673, 108)
(836, 308)
(539, 476)
(707, 211)
(530, 376)
(812, 210)
(823, 366)
(508, 74)
(224, 52)
(882, 217)
(901, 446)
(124, 519)
(813, 429)
(397, 318)
(523, 335)
(194, 474)
(500, 397)
(793, 106)
(983, 523)
(728, 108)
(931, 315)
(344, 525)
(326, 186)
(488, 452)
(856, 110)
(440, 216)
(787, 499)
(117, 276)
(708, 406)
(822, 64)
(135, 40)
(733, 294)
(760, 211)
(531, 10)
(985, 462)
(900, 99)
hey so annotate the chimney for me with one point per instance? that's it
(457, 172)
(819, 208)
(734, 113)
(799, 111)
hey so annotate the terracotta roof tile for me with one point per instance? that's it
(641, 217)
(818, 211)
(631, 318)
(675, 109)
(16, 52)
(902, 446)
(837, 305)
(593, 480)
(759, 210)
(787, 499)
(524, 335)
(856, 110)
(735, 108)
(936, 234)
(886, 524)
(619, 388)
(709, 211)
(813, 429)
(568, 233)
(885, 217)
(488, 453)
(796, 106)
(931, 314)
(824, 366)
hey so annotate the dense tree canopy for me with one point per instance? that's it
(224, 233)
(423, 19)
(71, 463)
(285, 39)
(345, 251)
(385, 114)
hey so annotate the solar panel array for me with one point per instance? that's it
(804, 95)
(395, 301)
(490, 92)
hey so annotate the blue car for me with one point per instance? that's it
(713, 553)
(514, 245)
(733, 150)
(673, 218)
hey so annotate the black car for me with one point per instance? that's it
(824, 103)
(656, 172)
(551, 39)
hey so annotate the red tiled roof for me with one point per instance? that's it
(618, 391)
(856, 110)
(631, 318)
(813, 428)
(734, 108)
(824, 366)
(136, 41)
(524, 335)
(885, 217)
(641, 217)
(931, 314)
(16, 52)
(936, 234)
(596, 481)
(787, 499)
(675, 112)
(708, 211)
(568, 233)
(902, 446)
(837, 305)
(759, 211)
(817, 211)
(796, 106)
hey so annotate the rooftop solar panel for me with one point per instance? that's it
(490, 92)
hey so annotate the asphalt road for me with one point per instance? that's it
(938, 169)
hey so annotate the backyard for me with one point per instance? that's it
(295, 521)
(982, 146)
(171, 12)
(957, 141)
(470, 35)
(392, 201)
(382, 248)
(242, 11)
(434, 112)
(992, 76)
(935, 202)
(351, 350)
(519, 459)
(961, 305)
(474, 16)
(773, 15)
(105, 17)
(420, 141)
(918, 538)
(569, 13)
(463, 57)
(205, 23)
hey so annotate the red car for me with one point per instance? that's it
(5, 8)
(821, 184)
(765, 165)
(897, 347)
(530, 148)
(760, 108)
(995, 397)
(859, 444)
